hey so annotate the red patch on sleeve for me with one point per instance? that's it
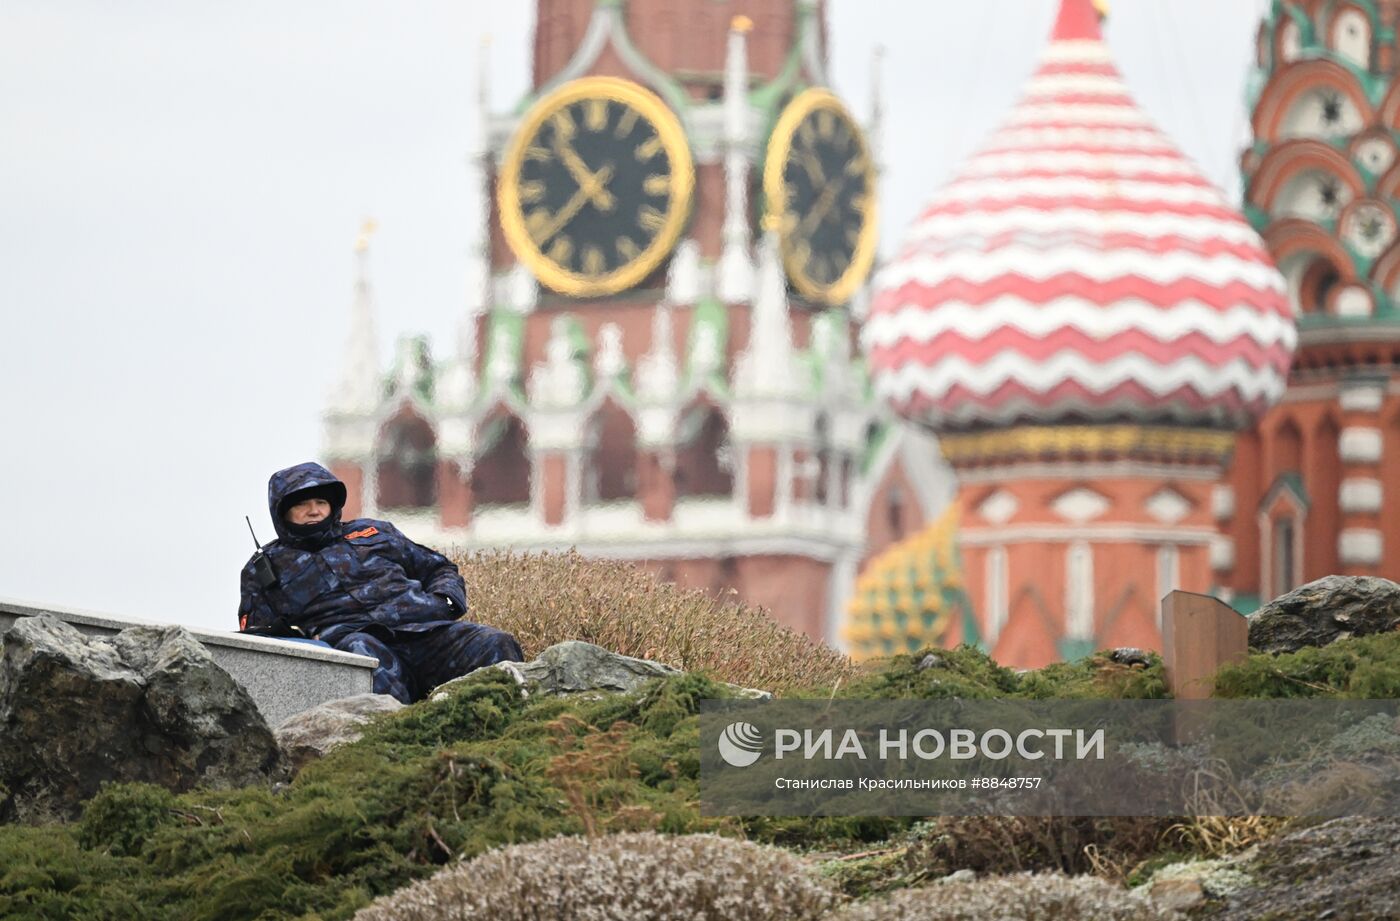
(364, 532)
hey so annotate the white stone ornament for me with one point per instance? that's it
(609, 362)
(1080, 505)
(766, 368)
(683, 283)
(658, 373)
(559, 380)
(503, 367)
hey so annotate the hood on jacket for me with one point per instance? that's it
(283, 485)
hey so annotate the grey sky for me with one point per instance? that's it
(180, 185)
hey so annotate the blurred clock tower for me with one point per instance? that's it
(656, 356)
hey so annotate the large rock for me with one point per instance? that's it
(1332, 608)
(1347, 868)
(148, 704)
(310, 735)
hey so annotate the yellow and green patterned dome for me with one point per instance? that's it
(911, 596)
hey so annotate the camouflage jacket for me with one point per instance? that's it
(348, 577)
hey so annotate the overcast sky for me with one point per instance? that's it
(181, 183)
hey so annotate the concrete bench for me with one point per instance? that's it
(283, 678)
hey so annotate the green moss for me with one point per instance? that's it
(969, 673)
(1364, 668)
(484, 767)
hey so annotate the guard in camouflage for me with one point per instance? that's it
(362, 587)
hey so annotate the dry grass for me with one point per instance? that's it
(1105, 846)
(545, 599)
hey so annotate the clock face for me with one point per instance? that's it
(819, 180)
(595, 188)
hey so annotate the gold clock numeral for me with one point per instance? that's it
(649, 148)
(819, 269)
(531, 191)
(860, 203)
(853, 235)
(563, 122)
(561, 250)
(807, 134)
(536, 153)
(628, 249)
(826, 124)
(626, 123)
(857, 166)
(657, 184)
(537, 224)
(595, 114)
(788, 223)
(651, 219)
(593, 261)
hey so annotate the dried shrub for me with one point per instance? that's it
(1048, 897)
(1105, 846)
(547, 598)
(630, 877)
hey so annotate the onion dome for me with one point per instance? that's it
(910, 597)
(1080, 269)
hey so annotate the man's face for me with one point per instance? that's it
(309, 511)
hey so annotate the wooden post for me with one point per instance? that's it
(1199, 634)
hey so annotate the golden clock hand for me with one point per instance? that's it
(585, 193)
(601, 197)
(823, 205)
(813, 167)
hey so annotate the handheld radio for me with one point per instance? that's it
(262, 566)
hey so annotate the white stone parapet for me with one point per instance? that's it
(284, 677)
(1360, 445)
(1360, 494)
(1360, 547)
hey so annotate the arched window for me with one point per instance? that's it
(704, 455)
(610, 471)
(824, 460)
(407, 464)
(501, 475)
(1168, 575)
(1079, 591)
(998, 593)
(1285, 556)
(894, 509)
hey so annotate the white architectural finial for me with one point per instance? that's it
(736, 264)
(767, 366)
(358, 389)
(658, 373)
(559, 380)
(609, 362)
(683, 280)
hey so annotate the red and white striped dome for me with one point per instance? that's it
(1080, 269)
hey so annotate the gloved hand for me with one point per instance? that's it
(279, 627)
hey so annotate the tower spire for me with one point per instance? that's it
(736, 265)
(767, 367)
(358, 388)
(478, 165)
